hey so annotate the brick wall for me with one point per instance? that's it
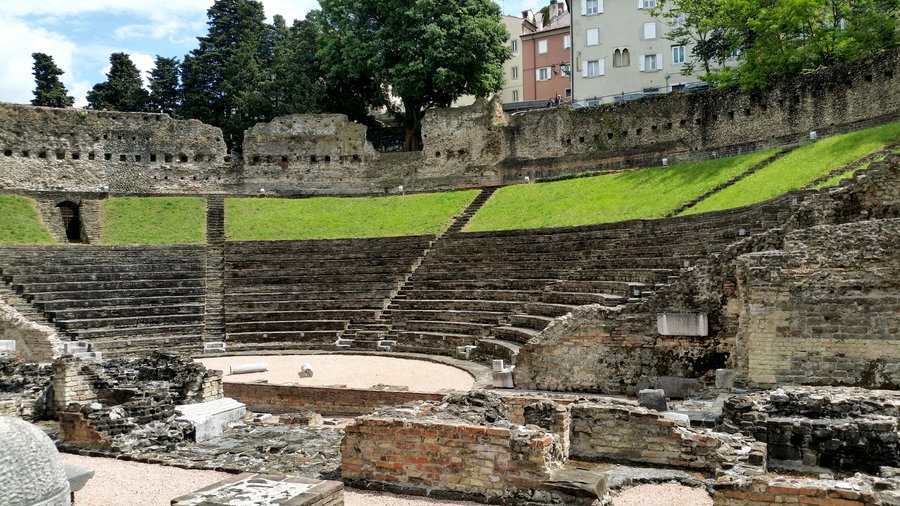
(419, 456)
(325, 401)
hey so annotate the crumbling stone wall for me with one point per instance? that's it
(462, 447)
(617, 432)
(34, 342)
(479, 145)
(94, 151)
(25, 389)
(859, 490)
(99, 401)
(840, 428)
(824, 310)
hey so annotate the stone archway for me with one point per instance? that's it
(70, 214)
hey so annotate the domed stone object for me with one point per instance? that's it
(31, 472)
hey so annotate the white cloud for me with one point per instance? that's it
(17, 42)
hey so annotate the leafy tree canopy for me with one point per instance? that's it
(49, 91)
(429, 52)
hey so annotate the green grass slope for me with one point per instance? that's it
(801, 167)
(265, 219)
(633, 194)
(154, 220)
(19, 222)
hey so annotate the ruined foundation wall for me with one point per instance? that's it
(824, 311)
(621, 433)
(34, 342)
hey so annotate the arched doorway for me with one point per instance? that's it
(71, 220)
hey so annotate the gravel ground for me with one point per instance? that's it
(668, 494)
(120, 483)
(354, 371)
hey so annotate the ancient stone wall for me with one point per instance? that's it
(74, 150)
(824, 311)
(90, 209)
(617, 432)
(839, 428)
(858, 490)
(25, 389)
(34, 342)
(479, 145)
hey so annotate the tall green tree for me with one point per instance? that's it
(697, 24)
(778, 39)
(123, 89)
(225, 79)
(428, 52)
(297, 85)
(49, 91)
(165, 95)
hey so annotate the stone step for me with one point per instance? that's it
(550, 310)
(458, 305)
(286, 326)
(125, 311)
(303, 305)
(353, 315)
(36, 297)
(485, 317)
(581, 299)
(145, 331)
(65, 304)
(87, 277)
(493, 349)
(446, 327)
(97, 324)
(518, 335)
(530, 321)
(288, 296)
(34, 288)
(309, 337)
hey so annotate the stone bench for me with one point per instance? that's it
(347, 302)
(111, 285)
(504, 295)
(146, 330)
(337, 314)
(238, 326)
(293, 336)
(130, 311)
(72, 304)
(444, 327)
(85, 295)
(456, 305)
(129, 321)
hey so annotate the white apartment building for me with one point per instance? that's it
(513, 84)
(620, 51)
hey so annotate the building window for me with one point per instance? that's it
(593, 37)
(622, 58)
(677, 55)
(544, 74)
(595, 68)
(514, 72)
(650, 63)
(515, 95)
(514, 44)
(646, 4)
(567, 42)
(649, 31)
(593, 7)
(565, 69)
(542, 47)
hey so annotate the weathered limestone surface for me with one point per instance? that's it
(620, 433)
(73, 150)
(34, 342)
(825, 310)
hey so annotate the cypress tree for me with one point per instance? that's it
(123, 89)
(164, 86)
(49, 91)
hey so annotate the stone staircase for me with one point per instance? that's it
(379, 334)
(214, 321)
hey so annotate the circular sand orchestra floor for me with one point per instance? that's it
(352, 371)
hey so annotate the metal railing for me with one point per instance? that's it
(625, 96)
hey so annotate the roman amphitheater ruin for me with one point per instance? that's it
(751, 355)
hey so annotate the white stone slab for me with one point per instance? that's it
(210, 418)
(248, 368)
(682, 324)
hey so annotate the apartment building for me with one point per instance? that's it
(547, 54)
(621, 51)
(513, 82)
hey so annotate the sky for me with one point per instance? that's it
(81, 34)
